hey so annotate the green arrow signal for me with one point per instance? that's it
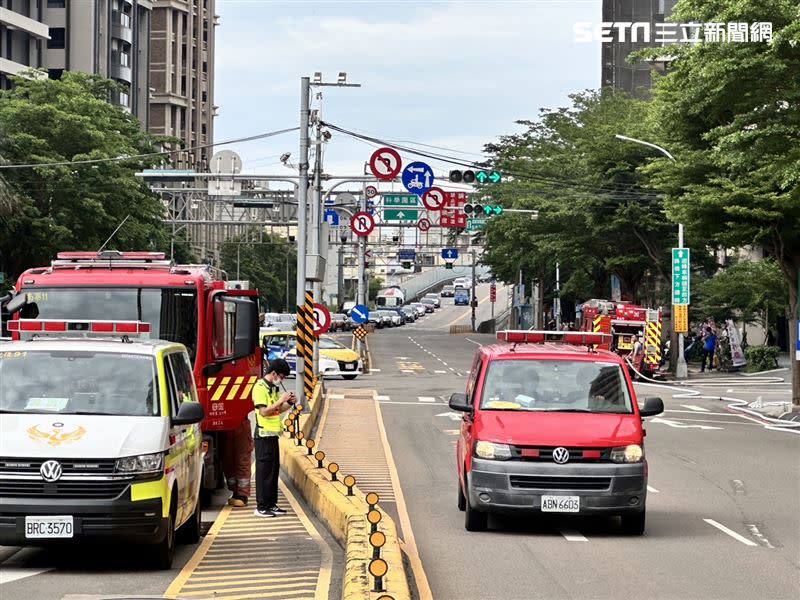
(498, 210)
(495, 176)
(488, 210)
(481, 176)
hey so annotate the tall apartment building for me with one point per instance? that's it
(182, 76)
(23, 36)
(634, 78)
(103, 37)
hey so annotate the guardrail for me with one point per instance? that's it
(420, 284)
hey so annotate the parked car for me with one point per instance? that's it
(339, 322)
(419, 307)
(448, 291)
(393, 319)
(437, 303)
(461, 297)
(400, 313)
(410, 313)
(429, 305)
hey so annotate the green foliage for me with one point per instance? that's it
(264, 265)
(72, 207)
(746, 291)
(596, 218)
(761, 358)
(375, 285)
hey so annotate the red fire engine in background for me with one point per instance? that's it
(190, 304)
(624, 321)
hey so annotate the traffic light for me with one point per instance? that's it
(457, 176)
(487, 210)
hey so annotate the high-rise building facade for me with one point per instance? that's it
(23, 36)
(104, 37)
(635, 78)
(182, 77)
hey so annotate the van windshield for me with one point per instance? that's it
(556, 386)
(78, 382)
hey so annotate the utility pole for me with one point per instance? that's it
(474, 302)
(557, 305)
(316, 228)
(302, 200)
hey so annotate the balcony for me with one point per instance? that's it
(119, 67)
(122, 26)
(14, 20)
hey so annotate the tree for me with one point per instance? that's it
(596, 218)
(264, 264)
(753, 292)
(66, 207)
(728, 113)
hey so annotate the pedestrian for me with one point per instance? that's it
(709, 345)
(270, 406)
(637, 355)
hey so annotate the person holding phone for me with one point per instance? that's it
(270, 405)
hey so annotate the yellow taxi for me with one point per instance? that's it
(335, 359)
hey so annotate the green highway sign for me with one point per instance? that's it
(680, 276)
(484, 176)
(400, 207)
(476, 224)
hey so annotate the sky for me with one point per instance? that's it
(455, 74)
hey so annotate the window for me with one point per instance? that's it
(56, 3)
(124, 99)
(57, 38)
(182, 381)
(224, 327)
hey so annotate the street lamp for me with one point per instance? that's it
(681, 371)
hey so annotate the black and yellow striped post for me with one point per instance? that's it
(308, 367)
(602, 324)
(652, 343)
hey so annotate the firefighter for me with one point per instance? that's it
(237, 455)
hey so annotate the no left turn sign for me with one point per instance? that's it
(385, 163)
(362, 223)
(433, 199)
(322, 319)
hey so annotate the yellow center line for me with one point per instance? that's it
(464, 315)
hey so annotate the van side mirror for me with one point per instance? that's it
(16, 303)
(189, 413)
(653, 406)
(459, 402)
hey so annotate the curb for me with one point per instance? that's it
(345, 517)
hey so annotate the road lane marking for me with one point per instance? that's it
(440, 372)
(730, 532)
(382, 398)
(426, 398)
(9, 574)
(759, 536)
(335, 396)
(652, 490)
(695, 408)
(679, 425)
(574, 536)
(408, 544)
(474, 342)
(374, 370)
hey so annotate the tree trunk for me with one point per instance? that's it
(792, 317)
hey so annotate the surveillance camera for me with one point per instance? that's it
(285, 157)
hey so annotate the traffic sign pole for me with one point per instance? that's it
(681, 369)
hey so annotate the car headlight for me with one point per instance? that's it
(632, 453)
(492, 451)
(144, 463)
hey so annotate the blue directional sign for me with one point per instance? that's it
(449, 253)
(331, 216)
(406, 254)
(359, 313)
(418, 178)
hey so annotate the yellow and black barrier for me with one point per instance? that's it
(373, 558)
(652, 343)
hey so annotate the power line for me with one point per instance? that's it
(629, 190)
(149, 154)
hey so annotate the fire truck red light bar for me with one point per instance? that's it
(30, 326)
(127, 327)
(578, 338)
(102, 327)
(144, 327)
(55, 326)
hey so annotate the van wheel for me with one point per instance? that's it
(165, 549)
(190, 532)
(474, 520)
(633, 523)
(462, 499)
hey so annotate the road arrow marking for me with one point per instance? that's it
(452, 415)
(678, 425)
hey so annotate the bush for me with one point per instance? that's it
(761, 358)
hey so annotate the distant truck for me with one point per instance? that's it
(391, 297)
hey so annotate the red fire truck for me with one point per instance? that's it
(190, 304)
(625, 320)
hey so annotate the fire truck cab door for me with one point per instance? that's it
(233, 316)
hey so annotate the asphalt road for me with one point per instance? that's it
(723, 506)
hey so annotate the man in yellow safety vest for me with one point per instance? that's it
(270, 405)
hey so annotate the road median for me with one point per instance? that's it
(344, 515)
